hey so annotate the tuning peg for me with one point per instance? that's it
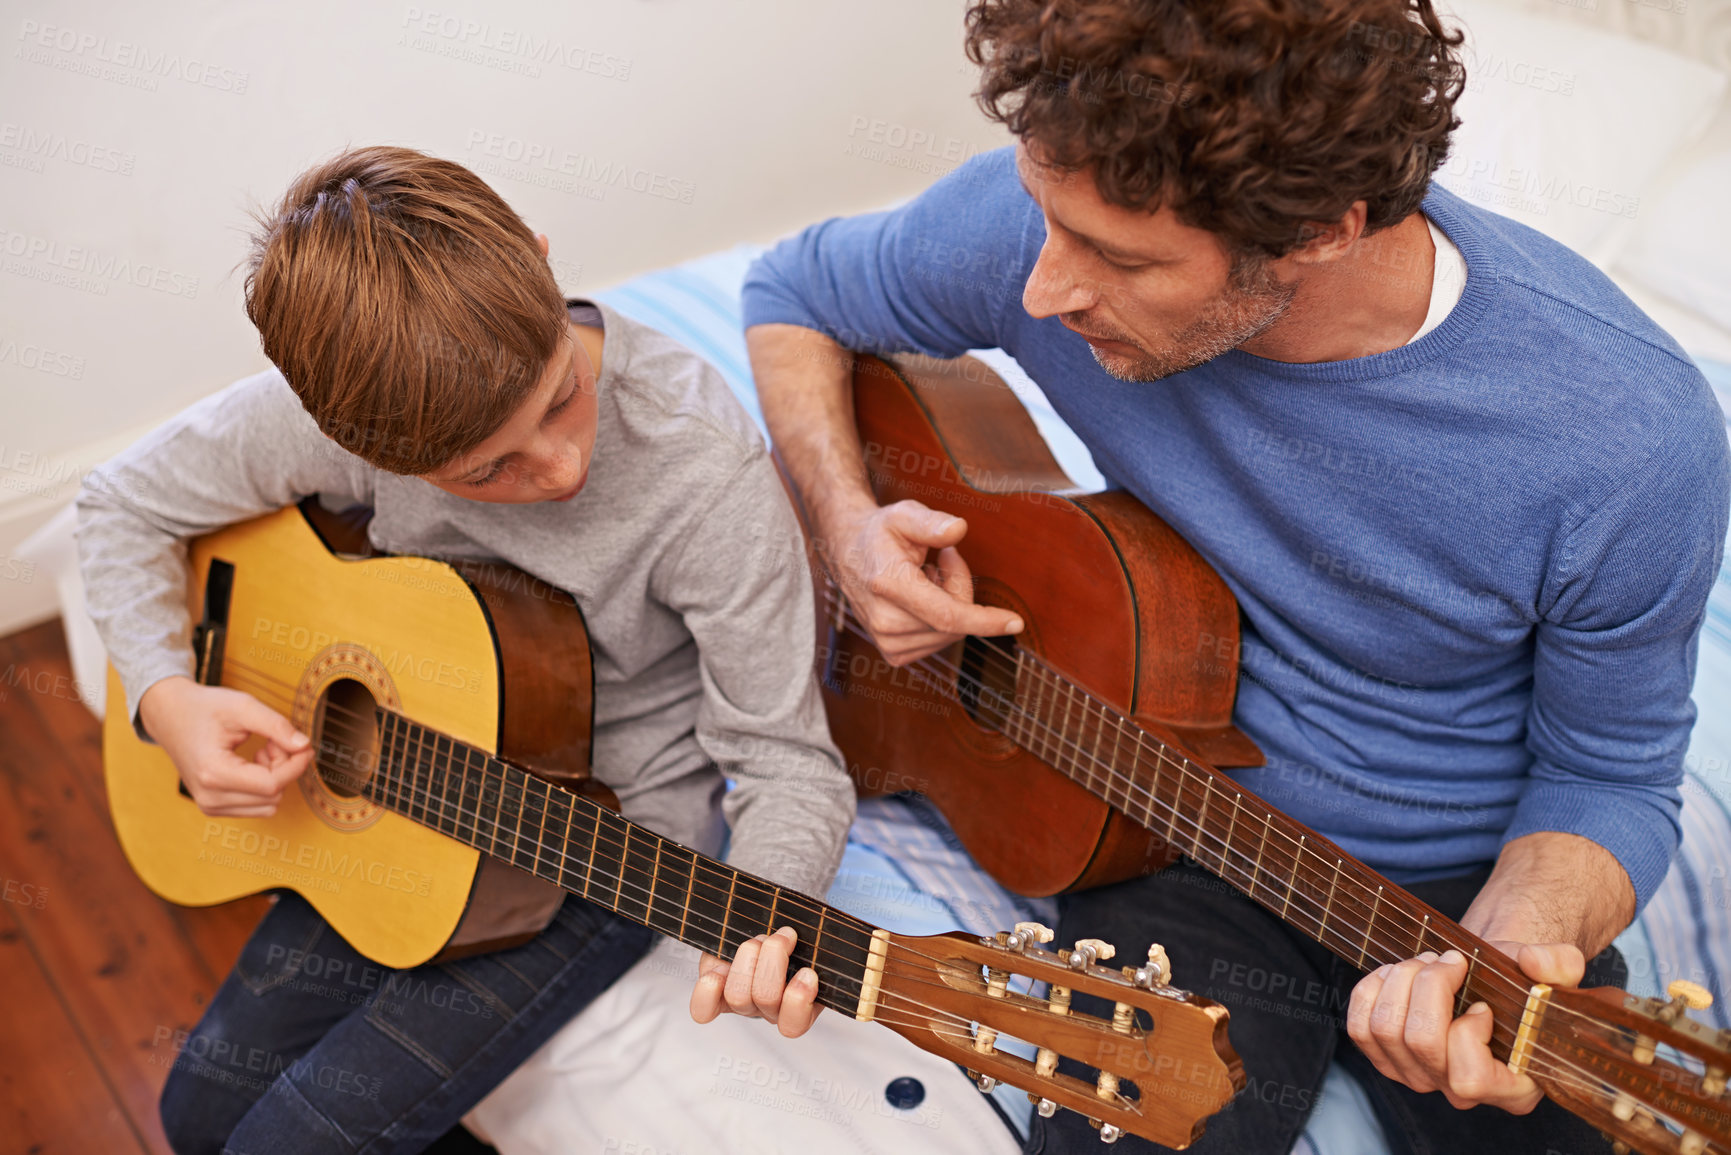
(1685, 996)
(1109, 1133)
(1026, 933)
(1692, 1143)
(1713, 1081)
(1045, 1108)
(987, 1084)
(1156, 972)
(1089, 951)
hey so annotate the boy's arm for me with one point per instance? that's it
(242, 452)
(741, 583)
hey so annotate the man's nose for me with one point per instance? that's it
(1053, 288)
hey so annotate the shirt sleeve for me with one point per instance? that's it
(934, 276)
(244, 451)
(742, 585)
(1615, 655)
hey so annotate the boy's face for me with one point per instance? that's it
(543, 451)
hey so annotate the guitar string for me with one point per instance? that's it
(329, 705)
(428, 801)
(1567, 1064)
(1562, 1070)
(1198, 831)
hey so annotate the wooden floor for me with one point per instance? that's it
(97, 975)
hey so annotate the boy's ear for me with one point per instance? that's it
(541, 239)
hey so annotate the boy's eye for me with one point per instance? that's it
(491, 476)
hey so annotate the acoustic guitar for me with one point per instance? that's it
(1088, 748)
(450, 708)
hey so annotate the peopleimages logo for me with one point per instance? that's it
(87, 52)
(43, 256)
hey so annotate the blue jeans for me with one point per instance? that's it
(310, 1048)
(1288, 998)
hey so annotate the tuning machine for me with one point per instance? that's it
(1090, 951)
(1156, 972)
(1025, 934)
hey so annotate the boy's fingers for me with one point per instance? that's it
(739, 978)
(706, 995)
(799, 1007)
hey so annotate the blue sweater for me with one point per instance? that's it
(1472, 570)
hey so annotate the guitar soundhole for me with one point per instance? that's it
(986, 680)
(347, 732)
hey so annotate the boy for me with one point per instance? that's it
(412, 317)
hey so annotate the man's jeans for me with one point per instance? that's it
(310, 1048)
(1288, 998)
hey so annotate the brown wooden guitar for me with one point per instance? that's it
(450, 707)
(1086, 749)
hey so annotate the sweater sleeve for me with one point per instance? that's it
(740, 581)
(1615, 654)
(244, 451)
(934, 276)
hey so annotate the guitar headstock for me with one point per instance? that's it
(1164, 1061)
(1598, 1052)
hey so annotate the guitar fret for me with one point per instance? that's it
(1231, 829)
(1202, 820)
(1364, 951)
(560, 844)
(452, 821)
(1322, 923)
(1292, 878)
(1462, 998)
(541, 830)
(1153, 785)
(1177, 797)
(1418, 947)
(1015, 715)
(1061, 731)
(1256, 867)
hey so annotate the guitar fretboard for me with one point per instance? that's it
(503, 811)
(1304, 879)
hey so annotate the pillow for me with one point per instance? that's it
(1563, 127)
(1681, 246)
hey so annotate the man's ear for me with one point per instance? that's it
(1322, 242)
(541, 239)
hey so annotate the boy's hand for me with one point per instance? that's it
(755, 984)
(200, 727)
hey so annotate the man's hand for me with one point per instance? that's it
(755, 985)
(912, 609)
(1553, 901)
(200, 727)
(1401, 1015)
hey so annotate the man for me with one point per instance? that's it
(1470, 500)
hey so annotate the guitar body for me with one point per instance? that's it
(1107, 591)
(500, 660)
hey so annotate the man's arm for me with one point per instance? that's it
(1592, 837)
(934, 276)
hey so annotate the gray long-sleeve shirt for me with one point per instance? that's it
(681, 550)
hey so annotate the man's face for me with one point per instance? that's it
(1151, 295)
(543, 451)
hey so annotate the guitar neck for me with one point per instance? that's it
(1302, 878)
(590, 851)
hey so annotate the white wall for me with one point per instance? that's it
(134, 138)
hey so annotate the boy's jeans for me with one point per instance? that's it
(310, 1048)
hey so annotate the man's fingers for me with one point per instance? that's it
(1430, 1011)
(1557, 963)
(908, 587)
(924, 526)
(1475, 1076)
(1388, 1024)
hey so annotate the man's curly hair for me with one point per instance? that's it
(1254, 119)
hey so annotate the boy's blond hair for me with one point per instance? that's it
(409, 307)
